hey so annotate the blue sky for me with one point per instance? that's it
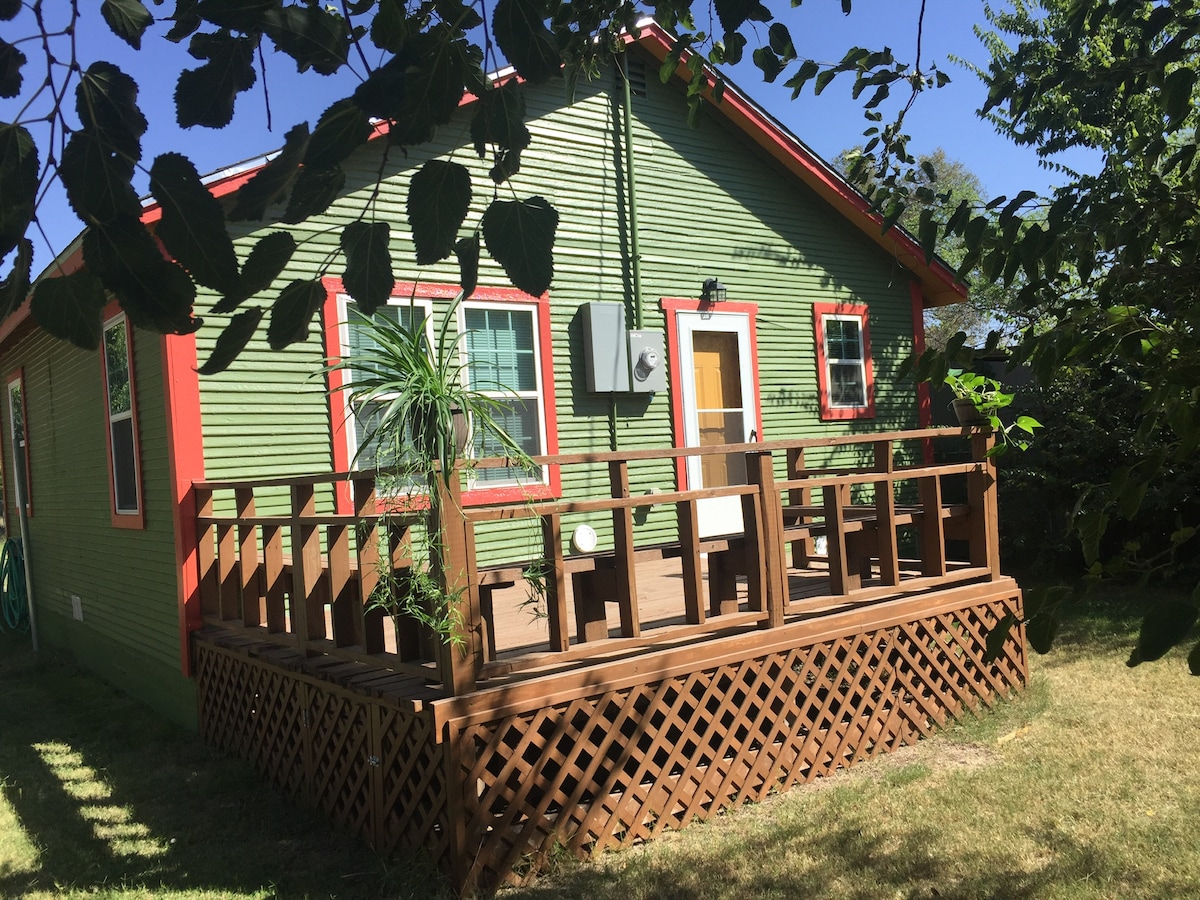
(828, 123)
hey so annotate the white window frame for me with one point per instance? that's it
(538, 395)
(129, 415)
(20, 449)
(831, 361)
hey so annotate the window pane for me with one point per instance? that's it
(116, 363)
(519, 418)
(500, 349)
(842, 339)
(16, 407)
(846, 385)
(124, 466)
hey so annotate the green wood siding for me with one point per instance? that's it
(125, 578)
(710, 204)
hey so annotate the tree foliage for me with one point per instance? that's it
(427, 56)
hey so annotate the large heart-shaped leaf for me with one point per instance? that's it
(341, 130)
(193, 226)
(272, 182)
(520, 29)
(311, 35)
(127, 19)
(261, 268)
(18, 184)
(467, 253)
(368, 277)
(438, 200)
(1165, 625)
(293, 311)
(69, 307)
(15, 288)
(106, 102)
(206, 96)
(232, 341)
(313, 193)
(98, 183)
(519, 235)
(11, 61)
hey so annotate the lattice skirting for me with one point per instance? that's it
(489, 797)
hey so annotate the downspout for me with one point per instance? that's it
(635, 262)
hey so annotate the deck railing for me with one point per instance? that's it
(306, 579)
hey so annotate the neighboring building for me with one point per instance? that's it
(821, 309)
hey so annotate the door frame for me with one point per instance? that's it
(671, 309)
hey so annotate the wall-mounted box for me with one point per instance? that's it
(605, 349)
(647, 362)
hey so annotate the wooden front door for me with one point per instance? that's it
(718, 408)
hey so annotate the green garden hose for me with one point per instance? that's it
(14, 605)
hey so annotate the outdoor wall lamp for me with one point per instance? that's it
(712, 291)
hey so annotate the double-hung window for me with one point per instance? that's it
(503, 361)
(845, 372)
(121, 414)
(19, 433)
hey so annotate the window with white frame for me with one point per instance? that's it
(18, 431)
(122, 422)
(365, 450)
(500, 342)
(847, 387)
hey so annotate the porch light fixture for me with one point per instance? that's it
(712, 291)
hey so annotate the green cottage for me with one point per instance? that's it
(740, 537)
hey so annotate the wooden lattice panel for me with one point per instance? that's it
(341, 757)
(412, 787)
(623, 765)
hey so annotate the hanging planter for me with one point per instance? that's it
(968, 413)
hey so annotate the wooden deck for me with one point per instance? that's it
(654, 683)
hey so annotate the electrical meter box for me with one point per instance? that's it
(647, 362)
(605, 350)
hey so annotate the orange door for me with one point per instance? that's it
(720, 409)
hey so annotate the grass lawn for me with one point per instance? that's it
(1084, 787)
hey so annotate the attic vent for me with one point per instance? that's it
(637, 77)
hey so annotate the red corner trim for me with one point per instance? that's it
(136, 520)
(185, 451)
(671, 306)
(828, 411)
(337, 380)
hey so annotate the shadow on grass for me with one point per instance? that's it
(113, 797)
(842, 861)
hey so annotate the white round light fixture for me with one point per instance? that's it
(583, 539)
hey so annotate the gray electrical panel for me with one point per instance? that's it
(647, 362)
(605, 350)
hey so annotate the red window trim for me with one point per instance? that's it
(424, 291)
(19, 375)
(670, 306)
(131, 520)
(830, 413)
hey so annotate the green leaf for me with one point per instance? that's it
(519, 235)
(1027, 423)
(997, 637)
(457, 14)
(106, 102)
(155, 292)
(9, 10)
(187, 21)
(1165, 625)
(127, 19)
(15, 288)
(433, 82)
(206, 96)
(1041, 629)
(292, 312)
(273, 181)
(97, 182)
(734, 13)
(781, 41)
(261, 268)
(368, 277)
(341, 130)
(18, 184)
(500, 119)
(232, 341)
(193, 226)
(313, 36)
(246, 16)
(770, 64)
(314, 192)
(521, 33)
(467, 253)
(69, 308)
(11, 60)
(1177, 93)
(807, 70)
(927, 231)
(438, 200)
(390, 27)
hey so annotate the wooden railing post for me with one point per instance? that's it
(885, 515)
(206, 559)
(627, 596)
(933, 535)
(981, 497)
(371, 618)
(767, 535)
(308, 616)
(556, 581)
(802, 549)
(834, 496)
(689, 547)
(459, 654)
(254, 610)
